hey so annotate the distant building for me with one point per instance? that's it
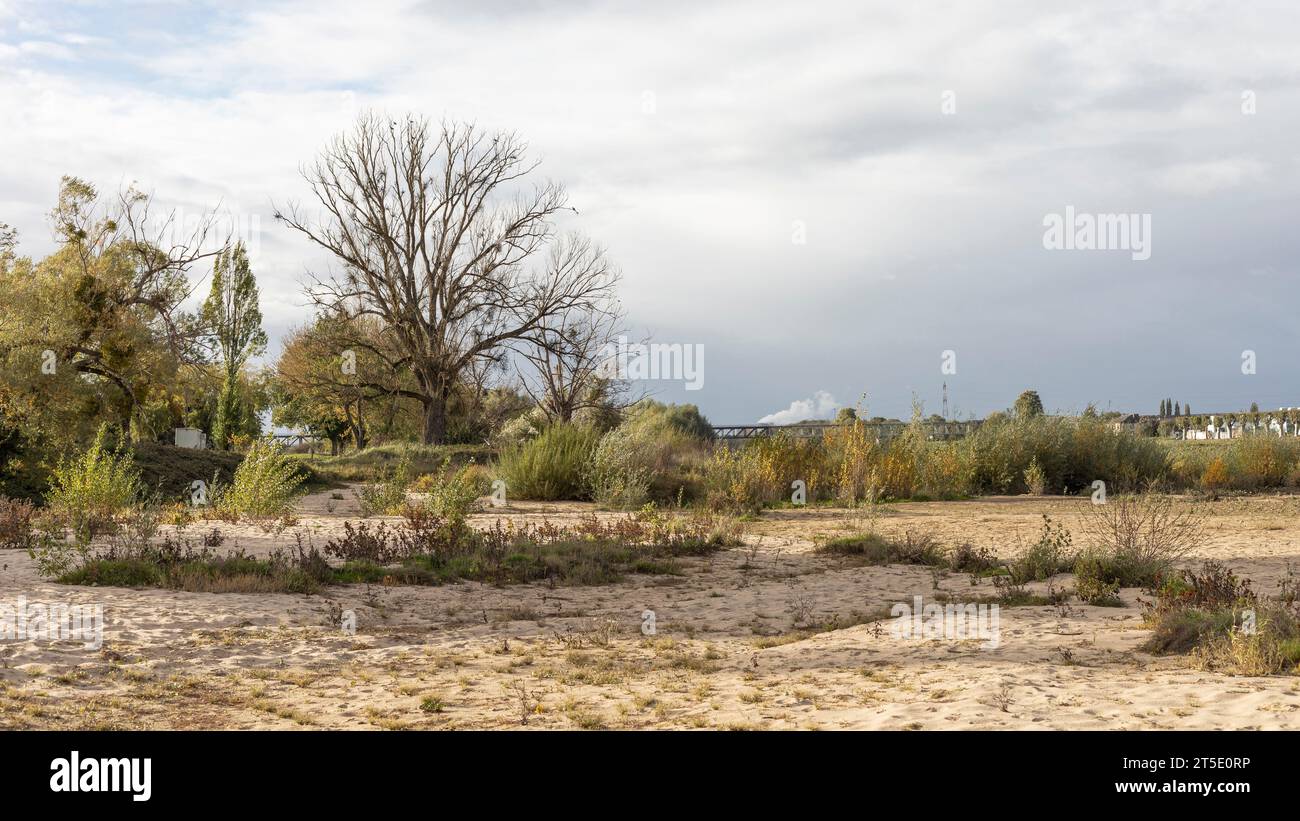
(191, 438)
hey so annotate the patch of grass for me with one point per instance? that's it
(115, 573)
(1267, 649)
(590, 553)
(875, 549)
(373, 463)
(1218, 620)
(1180, 631)
(431, 704)
(183, 566)
(240, 574)
(426, 549)
(575, 562)
(1013, 594)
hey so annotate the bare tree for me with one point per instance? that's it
(435, 233)
(567, 373)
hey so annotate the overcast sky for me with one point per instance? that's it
(915, 149)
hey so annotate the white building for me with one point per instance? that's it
(191, 438)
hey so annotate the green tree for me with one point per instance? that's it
(846, 416)
(96, 330)
(340, 370)
(234, 319)
(1028, 405)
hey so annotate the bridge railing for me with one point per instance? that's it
(812, 430)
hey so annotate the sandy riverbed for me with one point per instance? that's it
(727, 652)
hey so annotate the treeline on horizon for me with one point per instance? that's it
(461, 313)
(653, 457)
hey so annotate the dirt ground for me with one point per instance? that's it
(730, 647)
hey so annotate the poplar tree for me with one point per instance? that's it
(234, 320)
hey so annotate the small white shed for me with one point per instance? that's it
(191, 438)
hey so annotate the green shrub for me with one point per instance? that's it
(1046, 557)
(88, 492)
(618, 477)
(1203, 613)
(453, 494)
(652, 456)
(761, 472)
(388, 494)
(1070, 453)
(1094, 583)
(878, 550)
(523, 428)
(265, 487)
(550, 467)
(684, 419)
(966, 558)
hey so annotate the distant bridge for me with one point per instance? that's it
(813, 430)
(293, 439)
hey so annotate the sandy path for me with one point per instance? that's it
(727, 650)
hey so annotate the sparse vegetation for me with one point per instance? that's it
(1046, 557)
(1218, 619)
(388, 494)
(16, 524)
(551, 466)
(265, 485)
(89, 491)
(911, 548)
(194, 567)
(424, 550)
(1137, 539)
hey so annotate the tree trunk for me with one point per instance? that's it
(435, 420)
(128, 416)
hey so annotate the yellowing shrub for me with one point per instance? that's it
(1216, 475)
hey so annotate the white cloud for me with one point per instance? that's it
(821, 406)
(1202, 178)
(923, 230)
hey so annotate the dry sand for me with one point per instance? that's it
(726, 654)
